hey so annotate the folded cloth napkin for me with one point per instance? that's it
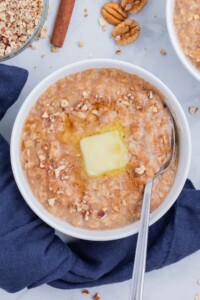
(31, 254)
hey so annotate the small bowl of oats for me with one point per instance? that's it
(183, 22)
(87, 139)
(20, 23)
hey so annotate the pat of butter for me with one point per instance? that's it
(104, 152)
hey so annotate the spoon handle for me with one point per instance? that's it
(141, 249)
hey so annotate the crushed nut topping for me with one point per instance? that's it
(101, 214)
(153, 109)
(81, 115)
(85, 94)
(18, 25)
(45, 115)
(64, 103)
(95, 112)
(86, 215)
(42, 166)
(150, 95)
(52, 201)
(193, 110)
(59, 170)
(140, 170)
(42, 157)
(113, 13)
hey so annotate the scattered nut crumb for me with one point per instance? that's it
(44, 33)
(54, 49)
(85, 292)
(32, 47)
(85, 12)
(140, 170)
(52, 201)
(102, 23)
(42, 56)
(198, 281)
(193, 110)
(80, 44)
(118, 52)
(163, 51)
(97, 297)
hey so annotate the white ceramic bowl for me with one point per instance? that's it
(170, 6)
(184, 150)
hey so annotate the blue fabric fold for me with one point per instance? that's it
(31, 254)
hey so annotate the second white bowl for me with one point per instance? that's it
(170, 5)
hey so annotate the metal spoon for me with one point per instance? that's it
(141, 248)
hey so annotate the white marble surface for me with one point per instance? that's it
(178, 281)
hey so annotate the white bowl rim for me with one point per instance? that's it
(175, 42)
(95, 235)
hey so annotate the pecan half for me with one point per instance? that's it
(126, 32)
(113, 13)
(133, 6)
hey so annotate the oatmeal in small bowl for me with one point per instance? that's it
(20, 23)
(88, 138)
(183, 21)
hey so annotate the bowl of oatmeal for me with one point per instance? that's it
(20, 23)
(87, 139)
(183, 22)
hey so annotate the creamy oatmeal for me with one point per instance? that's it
(91, 142)
(187, 23)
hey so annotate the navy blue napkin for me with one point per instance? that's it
(31, 254)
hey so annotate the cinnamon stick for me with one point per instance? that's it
(62, 22)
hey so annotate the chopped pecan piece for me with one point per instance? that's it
(163, 51)
(133, 6)
(101, 214)
(193, 109)
(140, 170)
(97, 297)
(85, 292)
(113, 13)
(52, 201)
(126, 32)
